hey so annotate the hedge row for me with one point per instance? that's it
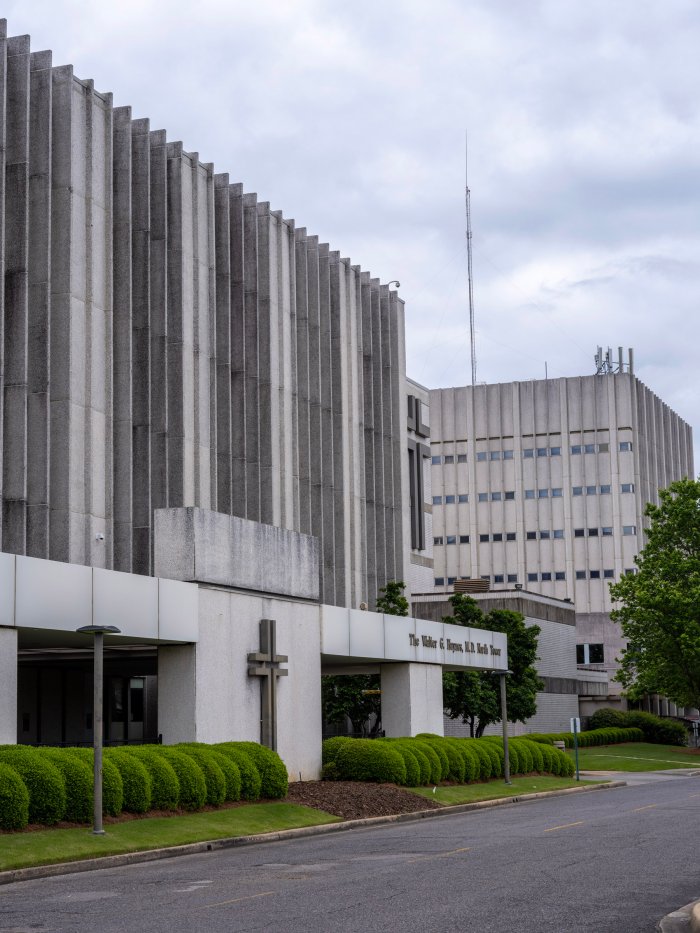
(429, 759)
(655, 729)
(593, 737)
(45, 785)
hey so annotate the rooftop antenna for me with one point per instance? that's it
(469, 258)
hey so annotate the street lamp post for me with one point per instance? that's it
(504, 722)
(99, 631)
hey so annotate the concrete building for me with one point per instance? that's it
(543, 484)
(419, 569)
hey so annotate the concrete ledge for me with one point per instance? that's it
(151, 855)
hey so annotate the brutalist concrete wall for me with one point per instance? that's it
(167, 340)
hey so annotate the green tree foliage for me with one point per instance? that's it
(475, 697)
(659, 606)
(392, 601)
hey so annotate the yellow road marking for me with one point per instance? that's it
(649, 806)
(563, 826)
(422, 858)
(235, 900)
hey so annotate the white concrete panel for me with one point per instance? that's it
(335, 631)
(8, 686)
(178, 611)
(177, 689)
(7, 589)
(52, 595)
(127, 600)
(397, 638)
(366, 633)
(412, 699)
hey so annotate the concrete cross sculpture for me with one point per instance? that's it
(265, 664)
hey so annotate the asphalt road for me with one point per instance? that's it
(607, 862)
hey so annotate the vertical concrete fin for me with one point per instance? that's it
(224, 451)
(251, 351)
(158, 279)
(302, 455)
(3, 146)
(239, 399)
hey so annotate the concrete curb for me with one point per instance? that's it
(684, 920)
(151, 855)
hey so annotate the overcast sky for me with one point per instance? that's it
(584, 156)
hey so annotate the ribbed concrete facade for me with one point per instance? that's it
(169, 340)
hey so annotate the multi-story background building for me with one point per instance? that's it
(543, 485)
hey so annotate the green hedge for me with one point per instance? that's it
(44, 782)
(369, 760)
(429, 752)
(655, 729)
(112, 786)
(214, 776)
(165, 787)
(608, 736)
(136, 780)
(14, 799)
(486, 765)
(271, 767)
(251, 782)
(77, 775)
(193, 786)
(414, 776)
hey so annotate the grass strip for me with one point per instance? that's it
(636, 756)
(47, 847)
(473, 793)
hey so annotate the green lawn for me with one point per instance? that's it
(44, 847)
(472, 793)
(636, 756)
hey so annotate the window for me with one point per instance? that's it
(577, 490)
(595, 575)
(544, 536)
(464, 539)
(451, 580)
(483, 539)
(592, 532)
(629, 571)
(495, 454)
(528, 453)
(498, 536)
(461, 458)
(498, 578)
(625, 446)
(437, 540)
(546, 577)
(605, 490)
(590, 490)
(560, 575)
(485, 577)
(558, 533)
(606, 531)
(541, 451)
(530, 535)
(483, 497)
(439, 581)
(579, 532)
(449, 500)
(557, 492)
(580, 574)
(590, 654)
(495, 497)
(629, 529)
(608, 574)
(603, 448)
(555, 451)
(542, 493)
(627, 487)
(529, 493)
(507, 454)
(449, 458)
(463, 497)
(589, 448)
(436, 459)
(512, 578)
(510, 536)
(437, 500)
(510, 495)
(451, 539)
(532, 578)
(481, 456)
(575, 448)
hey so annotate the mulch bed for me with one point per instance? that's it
(353, 800)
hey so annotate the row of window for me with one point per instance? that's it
(509, 495)
(543, 534)
(544, 577)
(530, 452)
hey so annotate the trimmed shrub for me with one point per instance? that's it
(423, 763)
(435, 766)
(547, 756)
(136, 780)
(536, 754)
(567, 767)
(14, 799)
(369, 760)
(435, 742)
(409, 759)
(165, 787)
(213, 774)
(273, 771)
(331, 747)
(492, 752)
(251, 782)
(524, 755)
(232, 775)
(494, 745)
(112, 786)
(472, 762)
(77, 775)
(485, 763)
(193, 786)
(516, 764)
(556, 760)
(658, 730)
(607, 717)
(43, 780)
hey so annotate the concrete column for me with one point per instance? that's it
(411, 699)
(222, 226)
(177, 689)
(368, 414)
(328, 542)
(8, 686)
(251, 356)
(239, 399)
(158, 283)
(303, 368)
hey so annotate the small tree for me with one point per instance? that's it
(659, 606)
(474, 696)
(392, 601)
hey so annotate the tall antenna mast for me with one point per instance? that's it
(469, 258)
